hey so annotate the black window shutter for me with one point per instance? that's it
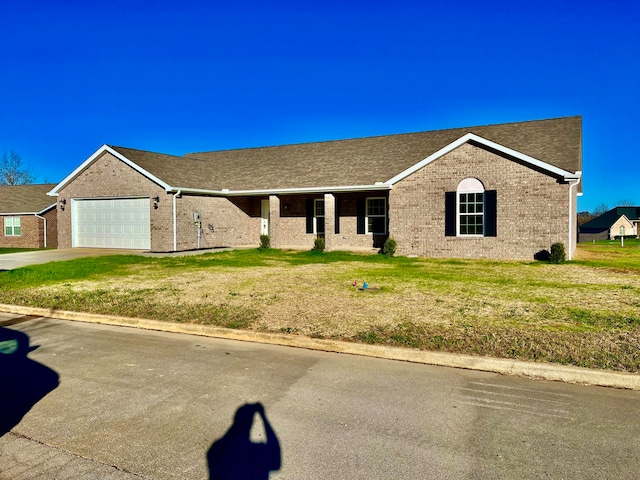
(490, 213)
(337, 215)
(450, 214)
(309, 208)
(361, 207)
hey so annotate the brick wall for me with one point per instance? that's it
(288, 222)
(52, 227)
(31, 233)
(109, 177)
(532, 208)
(225, 222)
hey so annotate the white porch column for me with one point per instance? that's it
(275, 233)
(329, 222)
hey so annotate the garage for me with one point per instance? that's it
(111, 223)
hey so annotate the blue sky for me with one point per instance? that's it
(178, 77)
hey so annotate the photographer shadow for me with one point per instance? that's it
(23, 381)
(236, 456)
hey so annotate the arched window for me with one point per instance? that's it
(470, 196)
(471, 211)
(622, 230)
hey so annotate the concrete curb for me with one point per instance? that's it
(546, 371)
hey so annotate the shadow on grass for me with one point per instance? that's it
(23, 381)
(235, 456)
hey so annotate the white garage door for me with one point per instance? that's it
(113, 223)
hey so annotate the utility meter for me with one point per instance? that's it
(197, 220)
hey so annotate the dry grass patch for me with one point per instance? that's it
(575, 313)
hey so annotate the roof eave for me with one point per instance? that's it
(106, 148)
(286, 191)
(15, 214)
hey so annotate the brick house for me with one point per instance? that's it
(497, 191)
(28, 216)
(615, 223)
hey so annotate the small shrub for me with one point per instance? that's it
(557, 254)
(264, 241)
(318, 245)
(389, 247)
(542, 255)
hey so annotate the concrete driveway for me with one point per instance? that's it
(10, 261)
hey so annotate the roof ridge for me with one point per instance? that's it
(318, 142)
(30, 185)
(114, 147)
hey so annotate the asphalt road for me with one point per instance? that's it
(135, 404)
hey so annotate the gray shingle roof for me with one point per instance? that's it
(25, 198)
(608, 218)
(360, 161)
(173, 170)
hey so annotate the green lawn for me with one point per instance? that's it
(16, 250)
(584, 312)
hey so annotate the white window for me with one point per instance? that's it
(318, 217)
(622, 230)
(377, 215)
(470, 195)
(11, 226)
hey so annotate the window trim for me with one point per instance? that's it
(467, 186)
(316, 201)
(367, 216)
(13, 226)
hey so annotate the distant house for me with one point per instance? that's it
(497, 191)
(615, 223)
(28, 216)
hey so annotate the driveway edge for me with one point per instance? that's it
(545, 371)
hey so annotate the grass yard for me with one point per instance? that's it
(585, 312)
(4, 250)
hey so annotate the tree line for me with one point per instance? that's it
(584, 217)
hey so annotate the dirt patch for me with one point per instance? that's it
(568, 313)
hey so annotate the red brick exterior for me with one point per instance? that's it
(532, 210)
(289, 216)
(52, 227)
(109, 177)
(225, 222)
(32, 231)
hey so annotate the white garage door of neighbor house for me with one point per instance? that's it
(112, 223)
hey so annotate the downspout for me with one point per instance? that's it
(571, 216)
(175, 221)
(45, 228)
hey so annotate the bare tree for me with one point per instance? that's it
(625, 203)
(12, 171)
(584, 217)
(600, 209)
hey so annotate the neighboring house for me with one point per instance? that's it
(28, 216)
(498, 191)
(615, 223)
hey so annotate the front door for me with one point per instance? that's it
(264, 222)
